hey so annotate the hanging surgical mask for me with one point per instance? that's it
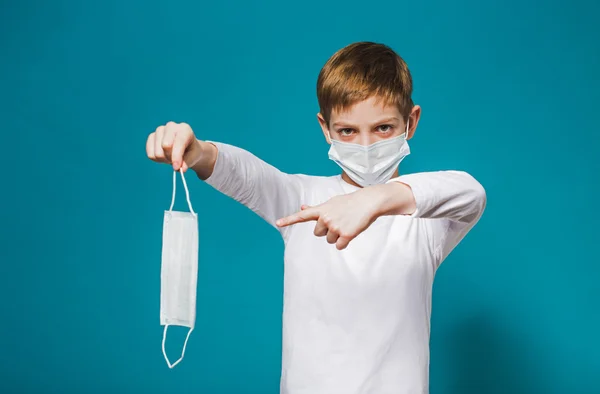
(373, 164)
(179, 270)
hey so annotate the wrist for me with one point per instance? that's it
(206, 157)
(396, 199)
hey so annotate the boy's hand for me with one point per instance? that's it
(343, 218)
(340, 219)
(176, 144)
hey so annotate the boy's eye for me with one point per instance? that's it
(345, 132)
(385, 128)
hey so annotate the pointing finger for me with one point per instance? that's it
(299, 217)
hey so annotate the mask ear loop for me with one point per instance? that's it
(187, 193)
(406, 131)
(171, 366)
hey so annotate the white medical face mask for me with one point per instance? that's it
(179, 270)
(373, 164)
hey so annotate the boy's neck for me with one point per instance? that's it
(349, 180)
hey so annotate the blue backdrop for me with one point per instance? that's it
(509, 93)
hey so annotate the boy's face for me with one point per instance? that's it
(367, 122)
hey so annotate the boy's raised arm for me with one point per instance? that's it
(235, 172)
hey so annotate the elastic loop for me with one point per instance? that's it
(182, 352)
(187, 193)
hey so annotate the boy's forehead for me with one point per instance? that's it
(368, 109)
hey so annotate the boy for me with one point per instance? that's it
(361, 248)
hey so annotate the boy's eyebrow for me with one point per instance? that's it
(342, 123)
(387, 120)
(380, 121)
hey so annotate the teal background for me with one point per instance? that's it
(509, 93)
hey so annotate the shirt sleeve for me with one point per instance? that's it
(264, 189)
(454, 199)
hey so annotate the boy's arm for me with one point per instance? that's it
(452, 195)
(252, 182)
(455, 198)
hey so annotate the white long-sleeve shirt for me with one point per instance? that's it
(355, 321)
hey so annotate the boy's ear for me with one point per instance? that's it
(324, 127)
(414, 117)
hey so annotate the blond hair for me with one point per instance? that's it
(360, 71)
